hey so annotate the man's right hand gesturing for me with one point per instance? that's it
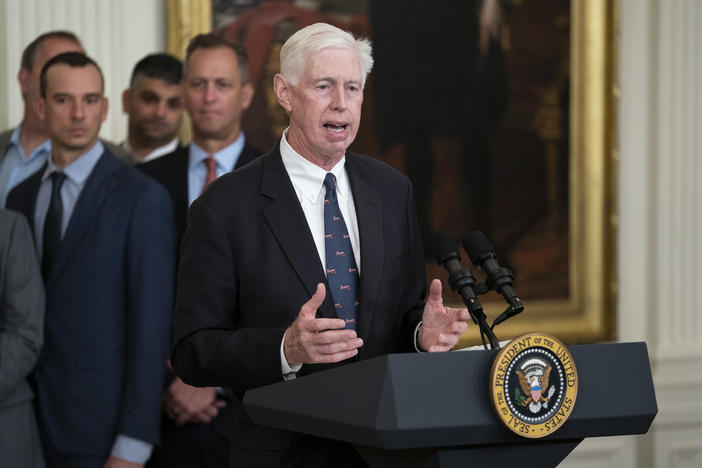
(311, 340)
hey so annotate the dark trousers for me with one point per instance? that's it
(192, 445)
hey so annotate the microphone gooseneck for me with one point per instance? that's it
(499, 279)
(461, 281)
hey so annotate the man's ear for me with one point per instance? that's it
(125, 100)
(23, 80)
(40, 108)
(247, 94)
(105, 106)
(281, 87)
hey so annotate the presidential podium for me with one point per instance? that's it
(434, 409)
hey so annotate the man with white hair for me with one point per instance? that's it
(317, 264)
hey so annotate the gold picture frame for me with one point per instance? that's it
(587, 314)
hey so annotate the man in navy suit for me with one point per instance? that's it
(259, 298)
(196, 427)
(105, 236)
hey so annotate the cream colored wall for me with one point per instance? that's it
(660, 228)
(116, 33)
(660, 194)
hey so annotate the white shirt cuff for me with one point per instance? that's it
(416, 338)
(289, 373)
(130, 449)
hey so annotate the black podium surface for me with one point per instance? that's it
(434, 409)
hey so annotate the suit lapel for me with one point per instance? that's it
(370, 225)
(286, 219)
(101, 181)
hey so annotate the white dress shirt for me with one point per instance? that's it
(308, 181)
(158, 152)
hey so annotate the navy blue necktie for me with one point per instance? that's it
(52, 224)
(342, 274)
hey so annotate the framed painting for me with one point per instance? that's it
(500, 112)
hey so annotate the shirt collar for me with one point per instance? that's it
(226, 157)
(79, 170)
(15, 140)
(307, 177)
(160, 151)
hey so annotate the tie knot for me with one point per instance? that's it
(330, 182)
(57, 178)
(211, 163)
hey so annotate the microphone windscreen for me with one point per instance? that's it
(477, 246)
(443, 246)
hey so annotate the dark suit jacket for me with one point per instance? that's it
(21, 333)
(171, 170)
(109, 298)
(247, 268)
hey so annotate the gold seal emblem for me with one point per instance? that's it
(533, 385)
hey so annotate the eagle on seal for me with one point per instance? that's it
(534, 385)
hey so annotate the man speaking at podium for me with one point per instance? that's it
(306, 258)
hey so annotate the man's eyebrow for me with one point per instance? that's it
(333, 80)
(210, 77)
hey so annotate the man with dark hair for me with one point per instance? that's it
(105, 238)
(197, 423)
(154, 104)
(25, 148)
(213, 41)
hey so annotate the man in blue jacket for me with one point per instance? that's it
(105, 237)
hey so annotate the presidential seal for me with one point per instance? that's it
(533, 385)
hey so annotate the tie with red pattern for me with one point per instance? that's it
(342, 274)
(211, 164)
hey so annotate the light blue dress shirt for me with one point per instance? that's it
(16, 166)
(77, 173)
(197, 169)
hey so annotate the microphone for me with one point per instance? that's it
(460, 279)
(500, 279)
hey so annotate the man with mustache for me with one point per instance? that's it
(154, 104)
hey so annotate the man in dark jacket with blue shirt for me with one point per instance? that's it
(105, 237)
